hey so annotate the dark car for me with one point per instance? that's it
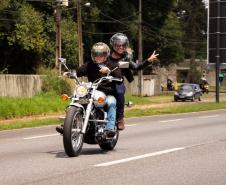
(188, 92)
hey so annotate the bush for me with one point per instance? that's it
(54, 83)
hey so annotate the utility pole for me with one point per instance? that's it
(59, 4)
(140, 52)
(79, 24)
(218, 51)
(58, 37)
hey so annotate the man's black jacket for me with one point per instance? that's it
(132, 66)
(91, 70)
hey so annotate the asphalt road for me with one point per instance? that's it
(185, 149)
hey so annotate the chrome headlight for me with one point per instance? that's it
(81, 91)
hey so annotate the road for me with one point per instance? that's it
(183, 149)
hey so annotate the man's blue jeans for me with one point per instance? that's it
(120, 91)
(111, 111)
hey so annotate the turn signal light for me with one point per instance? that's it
(100, 100)
(64, 97)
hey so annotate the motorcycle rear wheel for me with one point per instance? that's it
(72, 138)
(110, 145)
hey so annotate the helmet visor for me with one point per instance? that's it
(99, 54)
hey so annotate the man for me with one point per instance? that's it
(93, 70)
(121, 52)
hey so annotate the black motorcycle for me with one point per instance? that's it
(86, 119)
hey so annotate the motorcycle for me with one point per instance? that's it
(205, 88)
(86, 119)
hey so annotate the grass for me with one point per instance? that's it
(51, 103)
(137, 100)
(175, 109)
(29, 124)
(11, 107)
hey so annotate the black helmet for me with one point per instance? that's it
(119, 39)
(100, 49)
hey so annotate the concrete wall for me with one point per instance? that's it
(29, 85)
(20, 85)
(151, 85)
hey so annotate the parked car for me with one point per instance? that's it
(188, 91)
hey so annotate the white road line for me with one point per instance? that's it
(213, 116)
(131, 125)
(165, 121)
(139, 157)
(36, 137)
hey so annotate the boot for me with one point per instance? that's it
(121, 124)
(60, 129)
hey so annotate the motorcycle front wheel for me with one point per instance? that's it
(110, 145)
(72, 136)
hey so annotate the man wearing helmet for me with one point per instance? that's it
(93, 70)
(122, 52)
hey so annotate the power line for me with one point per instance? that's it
(105, 33)
(8, 20)
(44, 1)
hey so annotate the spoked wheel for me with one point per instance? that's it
(72, 137)
(110, 145)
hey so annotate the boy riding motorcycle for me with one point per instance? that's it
(99, 54)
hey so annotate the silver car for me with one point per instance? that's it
(188, 91)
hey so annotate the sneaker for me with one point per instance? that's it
(60, 129)
(121, 124)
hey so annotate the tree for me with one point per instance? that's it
(171, 48)
(23, 40)
(193, 18)
(28, 39)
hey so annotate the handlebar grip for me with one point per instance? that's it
(118, 80)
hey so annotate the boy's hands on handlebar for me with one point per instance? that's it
(153, 57)
(105, 70)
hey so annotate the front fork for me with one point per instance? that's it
(88, 111)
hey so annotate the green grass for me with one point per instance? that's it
(29, 124)
(11, 107)
(175, 109)
(137, 100)
(51, 103)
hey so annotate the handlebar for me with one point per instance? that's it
(109, 78)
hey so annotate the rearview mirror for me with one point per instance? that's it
(62, 60)
(123, 64)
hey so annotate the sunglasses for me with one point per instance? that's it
(121, 45)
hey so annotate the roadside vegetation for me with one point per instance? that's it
(36, 111)
(44, 103)
(176, 109)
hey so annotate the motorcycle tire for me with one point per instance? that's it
(73, 141)
(110, 145)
